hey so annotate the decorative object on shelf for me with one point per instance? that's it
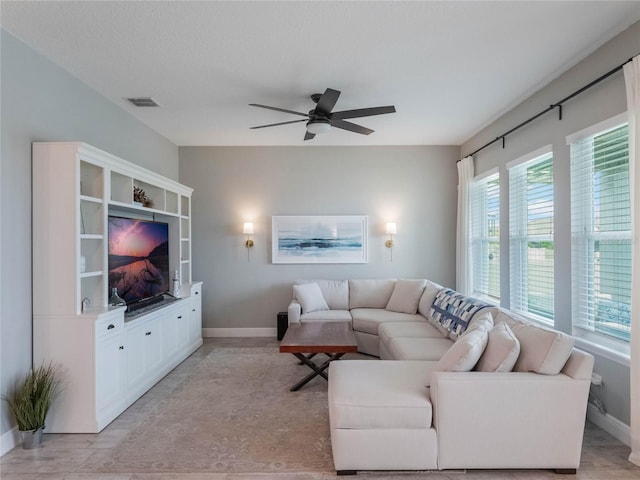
(115, 300)
(176, 284)
(247, 229)
(30, 401)
(84, 304)
(391, 231)
(140, 196)
(319, 239)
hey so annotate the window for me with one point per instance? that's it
(601, 230)
(485, 237)
(531, 234)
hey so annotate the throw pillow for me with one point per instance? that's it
(452, 311)
(310, 297)
(406, 295)
(501, 352)
(465, 352)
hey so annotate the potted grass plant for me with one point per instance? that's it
(30, 401)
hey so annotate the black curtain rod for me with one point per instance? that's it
(553, 106)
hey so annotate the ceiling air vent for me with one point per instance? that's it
(143, 102)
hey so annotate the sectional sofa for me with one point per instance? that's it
(459, 385)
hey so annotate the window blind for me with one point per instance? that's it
(601, 233)
(485, 237)
(531, 248)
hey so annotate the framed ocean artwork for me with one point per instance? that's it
(319, 239)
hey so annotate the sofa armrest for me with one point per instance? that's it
(508, 420)
(294, 312)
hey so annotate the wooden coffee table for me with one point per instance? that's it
(333, 339)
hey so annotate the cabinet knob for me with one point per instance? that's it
(121, 347)
(193, 309)
(148, 333)
(197, 293)
(179, 317)
(111, 326)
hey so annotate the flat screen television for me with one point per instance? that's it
(138, 259)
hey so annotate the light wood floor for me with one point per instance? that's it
(65, 456)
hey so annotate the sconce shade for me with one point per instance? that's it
(391, 228)
(247, 228)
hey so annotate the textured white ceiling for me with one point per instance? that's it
(450, 68)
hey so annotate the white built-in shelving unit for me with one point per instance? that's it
(109, 361)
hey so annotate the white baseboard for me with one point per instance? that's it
(238, 332)
(9, 440)
(609, 424)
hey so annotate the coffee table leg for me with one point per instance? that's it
(317, 369)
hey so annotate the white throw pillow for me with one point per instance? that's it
(466, 351)
(406, 295)
(501, 352)
(310, 297)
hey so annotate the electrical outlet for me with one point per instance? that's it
(596, 379)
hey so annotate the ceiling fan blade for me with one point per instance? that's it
(281, 123)
(352, 127)
(309, 136)
(327, 101)
(363, 112)
(279, 109)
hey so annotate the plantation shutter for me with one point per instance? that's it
(531, 235)
(601, 232)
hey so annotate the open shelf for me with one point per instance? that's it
(121, 188)
(91, 217)
(91, 180)
(171, 202)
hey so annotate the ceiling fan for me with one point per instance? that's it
(321, 119)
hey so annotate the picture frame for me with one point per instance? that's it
(319, 239)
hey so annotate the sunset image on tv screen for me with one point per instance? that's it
(138, 258)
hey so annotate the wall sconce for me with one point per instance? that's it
(391, 231)
(247, 229)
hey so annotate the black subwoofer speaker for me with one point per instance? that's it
(283, 323)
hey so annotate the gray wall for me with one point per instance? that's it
(413, 186)
(42, 102)
(599, 103)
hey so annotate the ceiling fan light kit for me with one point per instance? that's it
(319, 125)
(321, 119)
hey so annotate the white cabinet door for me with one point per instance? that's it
(182, 324)
(134, 349)
(153, 357)
(195, 314)
(110, 377)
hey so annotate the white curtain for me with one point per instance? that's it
(464, 271)
(632, 81)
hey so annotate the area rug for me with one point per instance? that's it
(229, 409)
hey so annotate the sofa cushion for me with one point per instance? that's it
(368, 395)
(425, 348)
(501, 352)
(406, 295)
(310, 297)
(431, 289)
(370, 293)
(467, 350)
(369, 319)
(335, 292)
(542, 350)
(454, 311)
(326, 316)
(422, 329)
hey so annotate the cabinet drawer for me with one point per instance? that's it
(109, 326)
(196, 290)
